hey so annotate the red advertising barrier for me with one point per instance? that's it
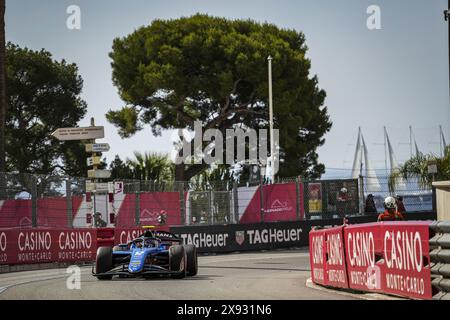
(279, 201)
(327, 257)
(407, 269)
(335, 265)
(364, 250)
(386, 257)
(125, 235)
(317, 255)
(51, 212)
(152, 205)
(47, 245)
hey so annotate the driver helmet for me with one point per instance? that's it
(344, 190)
(149, 234)
(390, 203)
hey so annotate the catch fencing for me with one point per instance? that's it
(31, 201)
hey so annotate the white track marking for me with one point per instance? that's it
(265, 257)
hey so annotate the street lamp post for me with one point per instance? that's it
(272, 146)
(447, 18)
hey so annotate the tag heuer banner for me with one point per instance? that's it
(244, 237)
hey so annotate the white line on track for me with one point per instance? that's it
(260, 257)
(57, 274)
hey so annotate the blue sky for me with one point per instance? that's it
(393, 77)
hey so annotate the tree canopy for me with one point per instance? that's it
(174, 72)
(147, 166)
(42, 95)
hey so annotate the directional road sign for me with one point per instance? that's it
(97, 187)
(99, 174)
(93, 161)
(97, 147)
(82, 133)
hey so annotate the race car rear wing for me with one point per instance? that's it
(167, 236)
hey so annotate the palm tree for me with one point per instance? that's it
(151, 166)
(417, 168)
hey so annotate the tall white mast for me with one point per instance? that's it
(372, 182)
(358, 157)
(399, 182)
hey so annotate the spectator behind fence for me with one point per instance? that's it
(370, 207)
(98, 221)
(343, 201)
(391, 213)
(400, 206)
(162, 218)
(23, 195)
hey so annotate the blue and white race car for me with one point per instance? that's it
(152, 253)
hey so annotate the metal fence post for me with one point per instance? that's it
(361, 195)
(69, 202)
(34, 201)
(297, 197)
(325, 196)
(235, 202)
(182, 202)
(261, 200)
(137, 213)
(210, 213)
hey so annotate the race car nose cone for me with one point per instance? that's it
(137, 261)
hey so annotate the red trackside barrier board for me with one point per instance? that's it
(317, 255)
(279, 201)
(406, 268)
(47, 245)
(125, 235)
(385, 257)
(335, 266)
(363, 246)
(327, 257)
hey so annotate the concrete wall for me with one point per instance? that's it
(442, 200)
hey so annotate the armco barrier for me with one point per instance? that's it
(440, 258)
(386, 257)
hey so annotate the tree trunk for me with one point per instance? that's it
(179, 172)
(2, 99)
(183, 174)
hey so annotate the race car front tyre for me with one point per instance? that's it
(103, 262)
(177, 261)
(191, 258)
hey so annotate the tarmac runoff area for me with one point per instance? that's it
(270, 275)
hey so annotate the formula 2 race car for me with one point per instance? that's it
(153, 253)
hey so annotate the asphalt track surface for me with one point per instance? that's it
(274, 275)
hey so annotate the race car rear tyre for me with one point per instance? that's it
(120, 247)
(191, 259)
(177, 261)
(103, 262)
